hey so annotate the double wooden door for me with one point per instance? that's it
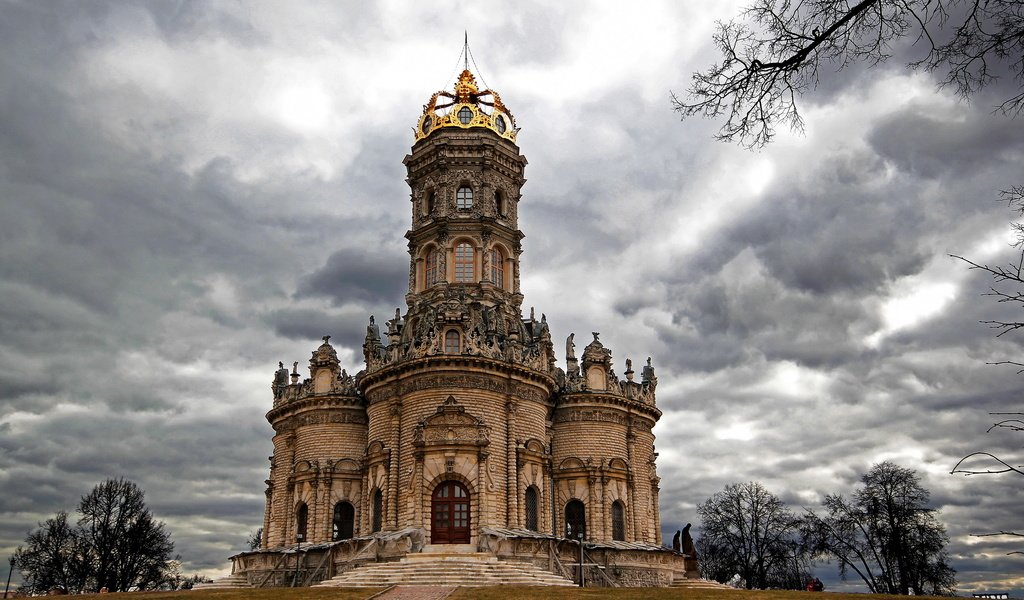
(449, 514)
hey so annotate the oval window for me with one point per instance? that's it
(500, 124)
(465, 115)
(427, 122)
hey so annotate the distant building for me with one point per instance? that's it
(992, 595)
(460, 430)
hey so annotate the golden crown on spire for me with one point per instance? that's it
(467, 107)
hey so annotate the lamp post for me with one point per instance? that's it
(9, 573)
(579, 536)
(298, 545)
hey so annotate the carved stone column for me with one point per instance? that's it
(390, 521)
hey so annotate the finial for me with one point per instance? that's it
(465, 49)
(326, 339)
(596, 333)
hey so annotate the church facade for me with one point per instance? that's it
(461, 427)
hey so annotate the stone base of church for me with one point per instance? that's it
(606, 564)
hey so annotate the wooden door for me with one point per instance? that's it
(449, 514)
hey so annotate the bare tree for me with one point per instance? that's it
(885, 534)
(1007, 288)
(778, 49)
(748, 530)
(56, 556)
(255, 539)
(129, 548)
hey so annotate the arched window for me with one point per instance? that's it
(618, 521)
(428, 206)
(464, 198)
(344, 521)
(497, 268)
(430, 274)
(499, 202)
(301, 517)
(464, 263)
(378, 511)
(452, 342)
(532, 503)
(575, 520)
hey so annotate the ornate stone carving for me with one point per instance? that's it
(450, 425)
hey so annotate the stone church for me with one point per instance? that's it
(462, 432)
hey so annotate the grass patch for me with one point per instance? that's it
(260, 594)
(507, 593)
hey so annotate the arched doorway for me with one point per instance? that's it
(575, 520)
(344, 521)
(449, 514)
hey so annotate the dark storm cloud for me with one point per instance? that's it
(347, 329)
(932, 145)
(373, 276)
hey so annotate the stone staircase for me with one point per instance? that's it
(699, 584)
(452, 566)
(231, 582)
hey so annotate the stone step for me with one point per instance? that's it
(471, 569)
(231, 582)
(703, 584)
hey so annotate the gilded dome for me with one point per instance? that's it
(465, 108)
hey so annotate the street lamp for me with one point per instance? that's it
(298, 545)
(579, 536)
(9, 573)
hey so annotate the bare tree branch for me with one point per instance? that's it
(774, 53)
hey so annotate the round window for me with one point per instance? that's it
(500, 124)
(465, 115)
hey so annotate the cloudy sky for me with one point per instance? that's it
(193, 191)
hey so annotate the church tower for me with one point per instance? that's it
(460, 428)
(461, 386)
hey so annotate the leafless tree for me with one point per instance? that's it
(885, 534)
(778, 49)
(748, 530)
(55, 556)
(255, 539)
(1007, 288)
(130, 549)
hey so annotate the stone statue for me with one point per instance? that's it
(570, 348)
(280, 380)
(648, 373)
(687, 541)
(486, 319)
(372, 331)
(676, 542)
(543, 325)
(393, 324)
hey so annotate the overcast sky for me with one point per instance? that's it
(193, 191)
